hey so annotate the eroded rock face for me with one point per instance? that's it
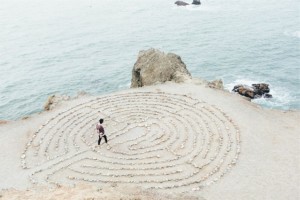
(181, 3)
(255, 91)
(154, 66)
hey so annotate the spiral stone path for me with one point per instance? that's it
(155, 140)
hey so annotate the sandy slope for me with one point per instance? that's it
(266, 168)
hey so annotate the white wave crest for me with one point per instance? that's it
(292, 34)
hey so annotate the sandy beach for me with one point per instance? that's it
(170, 138)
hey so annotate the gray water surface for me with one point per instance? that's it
(64, 46)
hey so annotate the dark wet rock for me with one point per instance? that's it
(261, 88)
(196, 2)
(255, 91)
(267, 96)
(181, 3)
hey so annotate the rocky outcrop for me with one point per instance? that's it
(196, 2)
(154, 66)
(217, 84)
(3, 122)
(255, 91)
(56, 99)
(261, 88)
(181, 3)
(53, 100)
(244, 90)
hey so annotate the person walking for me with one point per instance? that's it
(101, 131)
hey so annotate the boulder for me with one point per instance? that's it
(154, 66)
(255, 91)
(196, 2)
(181, 3)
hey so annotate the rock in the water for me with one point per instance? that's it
(217, 84)
(154, 66)
(181, 3)
(247, 92)
(196, 2)
(261, 88)
(267, 96)
(255, 91)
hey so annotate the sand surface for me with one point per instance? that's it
(170, 138)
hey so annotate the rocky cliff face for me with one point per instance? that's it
(154, 66)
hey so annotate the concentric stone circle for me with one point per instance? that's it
(155, 140)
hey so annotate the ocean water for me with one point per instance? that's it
(66, 46)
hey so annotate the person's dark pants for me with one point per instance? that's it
(105, 138)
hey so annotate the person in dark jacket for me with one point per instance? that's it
(101, 131)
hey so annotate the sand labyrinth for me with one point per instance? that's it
(156, 140)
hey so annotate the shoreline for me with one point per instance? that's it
(81, 93)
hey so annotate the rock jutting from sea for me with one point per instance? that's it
(182, 3)
(154, 66)
(253, 92)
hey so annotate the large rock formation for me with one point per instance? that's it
(254, 91)
(154, 66)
